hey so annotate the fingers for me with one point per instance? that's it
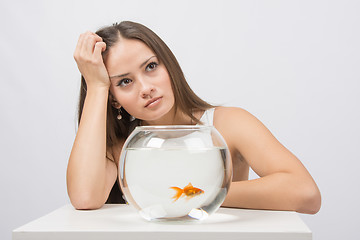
(86, 45)
(99, 48)
(89, 60)
(89, 43)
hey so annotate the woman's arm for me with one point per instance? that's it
(284, 183)
(90, 175)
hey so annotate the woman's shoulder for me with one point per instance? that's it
(230, 114)
(235, 121)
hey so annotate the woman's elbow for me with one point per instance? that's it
(85, 203)
(310, 200)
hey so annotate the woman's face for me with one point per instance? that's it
(139, 82)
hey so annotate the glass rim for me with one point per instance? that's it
(172, 127)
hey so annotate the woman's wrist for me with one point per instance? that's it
(97, 88)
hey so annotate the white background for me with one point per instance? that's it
(293, 64)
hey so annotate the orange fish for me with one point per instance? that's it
(189, 191)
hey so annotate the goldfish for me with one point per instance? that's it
(189, 191)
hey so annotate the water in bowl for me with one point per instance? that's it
(152, 175)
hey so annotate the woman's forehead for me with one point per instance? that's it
(127, 53)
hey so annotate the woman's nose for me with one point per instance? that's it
(147, 89)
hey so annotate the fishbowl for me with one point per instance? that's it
(178, 172)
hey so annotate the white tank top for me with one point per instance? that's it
(208, 117)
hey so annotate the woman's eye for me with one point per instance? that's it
(124, 82)
(151, 66)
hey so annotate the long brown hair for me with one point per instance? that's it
(185, 99)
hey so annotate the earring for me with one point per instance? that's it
(119, 117)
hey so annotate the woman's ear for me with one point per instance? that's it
(113, 102)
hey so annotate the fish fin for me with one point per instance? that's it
(178, 193)
(189, 186)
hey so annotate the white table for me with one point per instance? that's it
(122, 222)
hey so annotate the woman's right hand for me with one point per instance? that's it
(89, 60)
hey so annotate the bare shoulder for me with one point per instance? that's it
(237, 124)
(230, 117)
(228, 111)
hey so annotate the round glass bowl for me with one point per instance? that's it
(175, 172)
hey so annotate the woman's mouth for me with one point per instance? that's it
(153, 102)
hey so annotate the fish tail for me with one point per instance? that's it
(178, 193)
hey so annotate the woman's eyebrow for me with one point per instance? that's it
(125, 74)
(146, 61)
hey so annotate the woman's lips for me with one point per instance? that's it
(153, 102)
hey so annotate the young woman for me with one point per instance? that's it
(129, 78)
